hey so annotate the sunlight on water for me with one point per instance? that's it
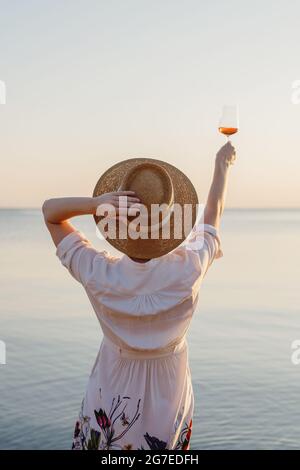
(246, 387)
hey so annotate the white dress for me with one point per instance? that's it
(139, 394)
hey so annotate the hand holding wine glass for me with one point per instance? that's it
(226, 155)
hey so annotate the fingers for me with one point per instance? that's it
(227, 149)
(230, 148)
(125, 203)
(226, 154)
(121, 212)
(123, 193)
(123, 197)
(126, 198)
(232, 159)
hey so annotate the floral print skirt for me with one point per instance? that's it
(135, 403)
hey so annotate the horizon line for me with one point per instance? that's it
(226, 208)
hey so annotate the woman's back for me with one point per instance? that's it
(141, 376)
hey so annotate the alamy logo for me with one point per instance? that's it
(2, 352)
(2, 92)
(295, 97)
(159, 221)
(295, 358)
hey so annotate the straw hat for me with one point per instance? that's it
(154, 182)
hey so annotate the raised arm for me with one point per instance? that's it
(58, 211)
(217, 194)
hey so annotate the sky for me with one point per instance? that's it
(89, 83)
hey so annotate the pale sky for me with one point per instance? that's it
(90, 83)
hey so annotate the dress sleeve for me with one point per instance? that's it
(205, 240)
(78, 255)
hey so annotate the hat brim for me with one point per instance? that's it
(184, 193)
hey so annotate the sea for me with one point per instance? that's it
(242, 339)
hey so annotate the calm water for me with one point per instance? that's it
(246, 388)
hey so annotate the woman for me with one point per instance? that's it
(139, 394)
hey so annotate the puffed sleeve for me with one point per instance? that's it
(78, 255)
(205, 241)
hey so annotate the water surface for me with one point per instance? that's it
(246, 387)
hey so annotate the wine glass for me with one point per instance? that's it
(229, 121)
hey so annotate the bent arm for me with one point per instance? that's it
(58, 211)
(217, 194)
